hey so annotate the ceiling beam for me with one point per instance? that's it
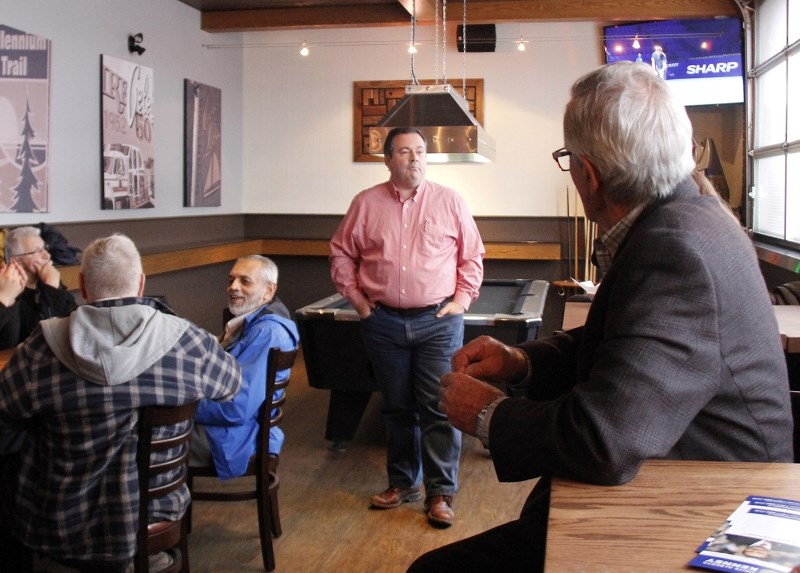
(478, 12)
(499, 11)
(312, 17)
(426, 9)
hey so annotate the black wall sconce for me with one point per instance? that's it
(134, 44)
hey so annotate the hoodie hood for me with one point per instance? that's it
(110, 345)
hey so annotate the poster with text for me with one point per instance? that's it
(128, 145)
(203, 145)
(24, 121)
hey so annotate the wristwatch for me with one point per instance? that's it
(484, 418)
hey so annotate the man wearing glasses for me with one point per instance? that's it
(43, 296)
(664, 366)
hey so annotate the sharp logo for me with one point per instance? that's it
(718, 68)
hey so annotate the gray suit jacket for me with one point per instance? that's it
(680, 357)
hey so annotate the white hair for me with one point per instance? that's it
(111, 268)
(625, 119)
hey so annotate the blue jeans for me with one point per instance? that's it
(409, 355)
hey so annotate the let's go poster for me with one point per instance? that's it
(128, 143)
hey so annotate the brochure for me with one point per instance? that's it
(762, 535)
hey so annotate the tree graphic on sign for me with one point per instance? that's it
(25, 159)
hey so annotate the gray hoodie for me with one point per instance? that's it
(111, 345)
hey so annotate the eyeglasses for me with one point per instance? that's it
(561, 157)
(36, 251)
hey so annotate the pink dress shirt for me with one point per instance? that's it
(408, 254)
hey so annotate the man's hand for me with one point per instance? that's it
(461, 399)
(48, 273)
(363, 308)
(488, 359)
(450, 308)
(12, 282)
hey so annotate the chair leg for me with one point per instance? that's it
(264, 508)
(274, 514)
(183, 546)
(188, 516)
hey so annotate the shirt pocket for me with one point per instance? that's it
(432, 237)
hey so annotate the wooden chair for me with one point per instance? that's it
(262, 465)
(153, 538)
(795, 396)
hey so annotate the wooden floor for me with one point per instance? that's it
(327, 523)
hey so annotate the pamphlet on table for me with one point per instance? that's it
(761, 536)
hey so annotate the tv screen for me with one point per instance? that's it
(701, 59)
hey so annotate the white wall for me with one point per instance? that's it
(287, 121)
(299, 120)
(82, 30)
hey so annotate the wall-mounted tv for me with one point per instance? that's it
(701, 59)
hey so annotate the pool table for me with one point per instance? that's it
(507, 309)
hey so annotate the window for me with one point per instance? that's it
(775, 86)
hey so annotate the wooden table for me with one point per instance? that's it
(574, 314)
(788, 317)
(789, 326)
(4, 356)
(655, 522)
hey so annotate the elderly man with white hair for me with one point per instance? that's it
(43, 296)
(664, 366)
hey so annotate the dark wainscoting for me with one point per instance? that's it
(199, 293)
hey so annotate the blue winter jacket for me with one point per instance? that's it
(232, 426)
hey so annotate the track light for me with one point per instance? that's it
(134, 44)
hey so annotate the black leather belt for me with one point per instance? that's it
(410, 311)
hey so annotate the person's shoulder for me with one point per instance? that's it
(268, 321)
(440, 189)
(187, 329)
(376, 190)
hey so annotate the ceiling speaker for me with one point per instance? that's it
(480, 38)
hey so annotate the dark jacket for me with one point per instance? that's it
(680, 358)
(32, 305)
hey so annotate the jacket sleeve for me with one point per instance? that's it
(58, 301)
(222, 373)
(9, 326)
(647, 361)
(251, 354)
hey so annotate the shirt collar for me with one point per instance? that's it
(414, 196)
(125, 301)
(233, 328)
(607, 245)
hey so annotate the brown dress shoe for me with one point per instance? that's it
(440, 510)
(395, 496)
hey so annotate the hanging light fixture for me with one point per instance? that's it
(636, 44)
(304, 50)
(438, 111)
(521, 44)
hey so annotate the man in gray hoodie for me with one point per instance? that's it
(69, 399)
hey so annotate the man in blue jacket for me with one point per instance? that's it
(226, 433)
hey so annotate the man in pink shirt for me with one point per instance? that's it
(409, 258)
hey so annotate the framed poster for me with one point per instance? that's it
(202, 145)
(373, 99)
(24, 121)
(128, 146)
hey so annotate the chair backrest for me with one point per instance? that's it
(795, 397)
(271, 412)
(161, 474)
